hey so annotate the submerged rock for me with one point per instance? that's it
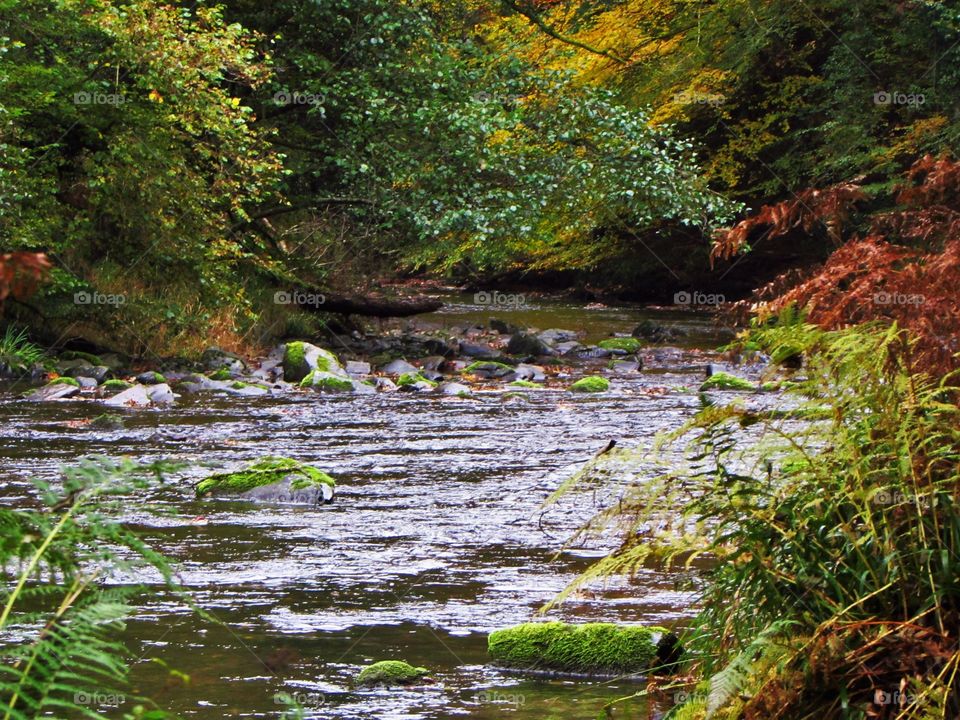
(391, 672)
(272, 479)
(726, 381)
(596, 648)
(54, 391)
(478, 350)
(626, 344)
(135, 396)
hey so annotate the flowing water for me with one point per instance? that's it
(437, 535)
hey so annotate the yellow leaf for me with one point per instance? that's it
(155, 96)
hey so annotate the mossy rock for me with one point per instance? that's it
(414, 378)
(593, 648)
(525, 384)
(390, 672)
(221, 375)
(627, 344)
(107, 421)
(726, 381)
(301, 359)
(65, 381)
(268, 471)
(116, 386)
(487, 365)
(591, 384)
(240, 385)
(324, 381)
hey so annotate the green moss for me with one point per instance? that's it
(486, 365)
(726, 381)
(116, 385)
(412, 379)
(238, 385)
(525, 384)
(78, 355)
(322, 380)
(221, 374)
(591, 384)
(628, 344)
(602, 648)
(770, 386)
(65, 381)
(265, 471)
(158, 379)
(391, 672)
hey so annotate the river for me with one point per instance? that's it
(437, 535)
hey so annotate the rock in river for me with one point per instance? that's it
(272, 479)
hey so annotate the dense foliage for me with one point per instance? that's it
(832, 524)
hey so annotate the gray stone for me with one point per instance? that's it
(161, 394)
(565, 348)
(432, 375)
(214, 358)
(135, 396)
(454, 388)
(533, 373)
(399, 367)
(626, 366)
(556, 335)
(385, 384)
(57, 391)
(481, 351)
(432, 362)
(591, 352)
(525, 345)
(86, 383)
(356, 367)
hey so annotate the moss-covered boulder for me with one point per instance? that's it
(390, 672)
(272, 479)
(323, 381)
(726, 381)
(300, 359)
(591, 384)
(593, 648)
(626, 344)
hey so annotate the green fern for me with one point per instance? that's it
(66, 622)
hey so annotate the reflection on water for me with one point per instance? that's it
(437, 537)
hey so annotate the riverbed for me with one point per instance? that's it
(438, 534)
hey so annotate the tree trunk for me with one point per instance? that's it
(366, 305)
